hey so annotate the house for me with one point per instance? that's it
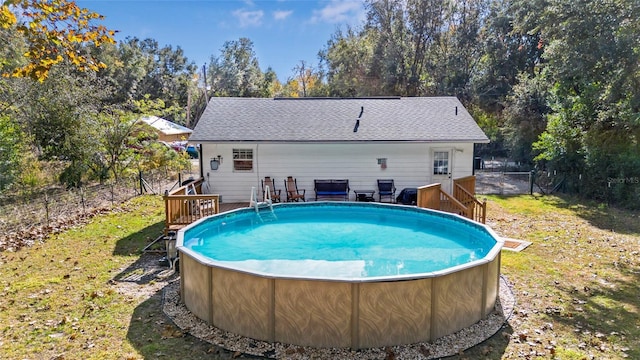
(414, 141)
(167, 131)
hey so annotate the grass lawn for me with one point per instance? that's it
(83, 294)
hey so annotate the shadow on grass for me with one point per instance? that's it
(601, 215)
(150, 331)
(604, 313)
(154, 336)
(597, 214)
(136, 242)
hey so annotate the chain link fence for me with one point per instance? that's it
(31, 210)
(502, 177)
(26, 217)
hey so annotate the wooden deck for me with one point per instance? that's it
(464, 204)
(188, 204)
(232, 206)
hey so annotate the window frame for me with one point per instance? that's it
(242, 160)
(441, 162)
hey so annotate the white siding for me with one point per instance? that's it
(408, 164)
(463, 160)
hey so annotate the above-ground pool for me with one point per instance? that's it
(329, 274)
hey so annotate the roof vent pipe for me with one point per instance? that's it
(355, 128)
(361, 111)
(456, 111)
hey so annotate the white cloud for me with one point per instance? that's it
(249, 18)
(282, 14)
(340, 11)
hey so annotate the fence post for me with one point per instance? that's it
(82, 200)
(532, 176)
(140, 181)
(46, 208)
(112, 190)
(166, 210)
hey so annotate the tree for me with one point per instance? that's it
(54, 31)
(386, 21)
(506, 53)
(271, 86)
(12, 148)
(307, 81)
(425, 19)
(236, 72)
(593, 132)
(409, 48)
(345, 57)
(78, 118)
(526, 111)
(458, 49)
(118, 143)
(140, 69)
(57, 116)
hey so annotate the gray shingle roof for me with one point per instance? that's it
(333, 120)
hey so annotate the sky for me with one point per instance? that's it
(283, 32)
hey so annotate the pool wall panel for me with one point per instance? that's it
(492, 285)
(196, 292)
(242, 303)
(313, 313)
(457, 301)
(394, 312)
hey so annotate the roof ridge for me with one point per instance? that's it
(341, 98)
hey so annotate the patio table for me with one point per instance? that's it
(364, 195)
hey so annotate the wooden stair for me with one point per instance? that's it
(463, 201)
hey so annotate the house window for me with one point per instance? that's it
(242, 159)
(440, 163)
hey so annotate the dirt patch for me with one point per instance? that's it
(145, 277)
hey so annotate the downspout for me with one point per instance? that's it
(201, 161)
(255, 160)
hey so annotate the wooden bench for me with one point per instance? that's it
(331, 188)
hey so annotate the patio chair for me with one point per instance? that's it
(386, 188)
(275, 193)
(293, 193)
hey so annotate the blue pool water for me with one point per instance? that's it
(338, 240)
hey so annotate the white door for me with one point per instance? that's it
(442, 163)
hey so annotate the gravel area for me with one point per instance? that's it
(446, 346)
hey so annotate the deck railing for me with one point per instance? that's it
(428, 197)
(187, 204)
(468, 183)
(476, 210)
(433, 197)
